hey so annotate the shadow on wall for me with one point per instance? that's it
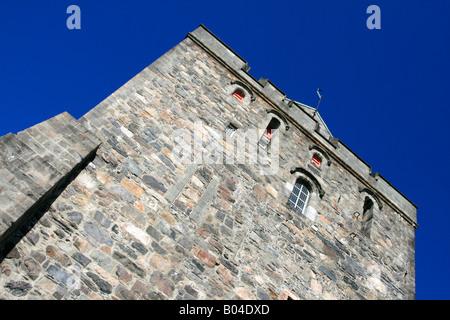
(20, 228)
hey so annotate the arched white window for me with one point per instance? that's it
(299, 196)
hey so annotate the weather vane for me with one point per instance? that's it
(320, 99)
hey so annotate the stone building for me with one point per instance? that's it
(196, 181)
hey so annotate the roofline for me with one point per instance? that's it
(317, 112)
(277, 99)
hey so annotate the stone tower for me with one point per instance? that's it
(196, 181)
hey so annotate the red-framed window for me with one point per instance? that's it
(239, 94)
(316, 160)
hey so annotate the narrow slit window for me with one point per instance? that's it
(273, 125)
(269, 132)
(239, 94)
(367, 216)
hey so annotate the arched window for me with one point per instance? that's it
(273, 125)
(230, 129)
(319, 156)
(299, 196)
(367, 216)
(316, 160)
(239, 94)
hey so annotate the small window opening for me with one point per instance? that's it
(299, 196)
(367, 216)
(269, 132)
(230, 130)
(273, 125)
(316, 160)
(239, 94)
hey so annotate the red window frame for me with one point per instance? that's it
(316, 160)
(239, 94)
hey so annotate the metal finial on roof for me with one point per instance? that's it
(319, 90)
(320, 99)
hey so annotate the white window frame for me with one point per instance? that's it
(230, 130)
(299, 196)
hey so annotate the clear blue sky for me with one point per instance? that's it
(385, 91)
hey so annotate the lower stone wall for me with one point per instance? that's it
(33, 164)
(112, 235)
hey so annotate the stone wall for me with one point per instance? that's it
(144, 219)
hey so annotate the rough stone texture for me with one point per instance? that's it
(35, 162)
(134, 223)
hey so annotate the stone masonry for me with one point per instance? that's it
(142, 198)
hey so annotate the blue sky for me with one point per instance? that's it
(385, 91)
